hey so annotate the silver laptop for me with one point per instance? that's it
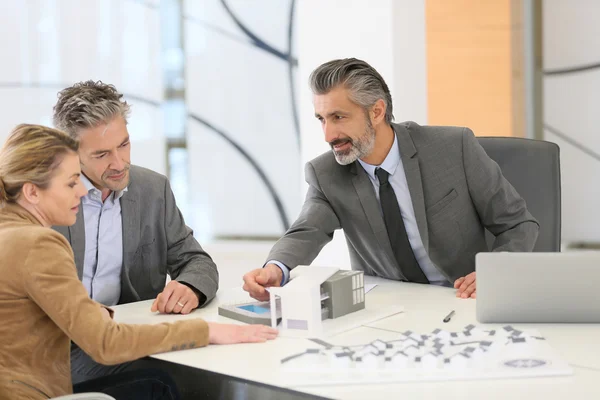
(538, 287)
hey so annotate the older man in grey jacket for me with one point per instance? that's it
(413, 201)
(129, 233)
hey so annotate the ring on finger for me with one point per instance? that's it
(180, 305)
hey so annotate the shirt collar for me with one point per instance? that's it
(389, 164)
(86, 182)
(93, 191)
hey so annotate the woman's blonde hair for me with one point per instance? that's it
(31, 154)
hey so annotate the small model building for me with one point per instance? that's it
(343, 293)
(312, 295)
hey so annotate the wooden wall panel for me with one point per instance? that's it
(472, 74)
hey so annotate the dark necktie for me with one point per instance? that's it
(396, 230)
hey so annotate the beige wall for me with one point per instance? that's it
(474, 65)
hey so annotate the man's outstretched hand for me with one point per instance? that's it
(257, 280)
(465, 286)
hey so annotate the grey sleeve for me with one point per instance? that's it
(187, 262)
(312, 230)
(501, 209)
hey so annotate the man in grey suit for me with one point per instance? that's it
(129, 232)
(413, 201)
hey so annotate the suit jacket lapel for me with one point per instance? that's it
(364, 189)
(77, 239)
(130, 220)
(410, 161)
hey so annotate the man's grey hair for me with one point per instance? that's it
(364, 83)
(87, 105)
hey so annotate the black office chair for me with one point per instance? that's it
(533, 168)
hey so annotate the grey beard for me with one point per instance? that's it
(360, 148)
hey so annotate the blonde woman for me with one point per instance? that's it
(43, 304)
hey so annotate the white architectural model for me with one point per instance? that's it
(440, 355)
(314, 294)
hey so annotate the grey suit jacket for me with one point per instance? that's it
(456, 189)
(156, 242)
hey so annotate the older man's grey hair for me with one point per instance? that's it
(364, 83)
(87, 105)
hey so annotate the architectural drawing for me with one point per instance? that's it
(472, 353)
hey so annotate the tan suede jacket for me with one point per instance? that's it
(43, 306)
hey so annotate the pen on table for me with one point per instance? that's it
(449, 316)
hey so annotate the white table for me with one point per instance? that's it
(424, 308)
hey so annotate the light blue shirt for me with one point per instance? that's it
(103, 259)
(393, 166)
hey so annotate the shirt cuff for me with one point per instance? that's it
(285, 271)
